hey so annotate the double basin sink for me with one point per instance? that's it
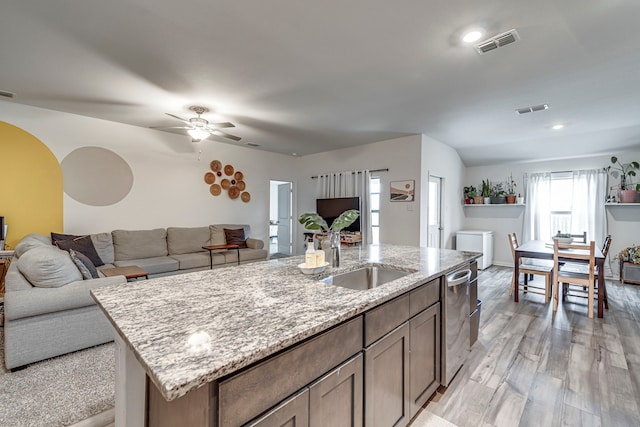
(365, 278)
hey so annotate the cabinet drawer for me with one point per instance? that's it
(385, 318)
(280, 376)
(423, 297)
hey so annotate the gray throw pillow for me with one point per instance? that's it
(82, 244)
(84, 264)
(48, 267)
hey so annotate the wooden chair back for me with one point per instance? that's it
(513, 244)
(578, 238)
(579, 253)
(606, 245)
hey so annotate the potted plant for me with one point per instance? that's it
(486, 191)
(313, 221)
(469, 194)
(511, 190)
(626, 193)
(497, 194)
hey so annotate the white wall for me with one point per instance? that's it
(442, 161)
(399, 221)
(168, 187)
(623, 222)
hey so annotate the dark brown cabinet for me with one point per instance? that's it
(424, 358)
(386, 376)
(333, 400)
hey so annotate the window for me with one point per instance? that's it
(374, 198)
(560, 201)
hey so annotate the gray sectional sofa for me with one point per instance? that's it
(48, 307)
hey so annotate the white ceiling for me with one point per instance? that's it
(304, 77)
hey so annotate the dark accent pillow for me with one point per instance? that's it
(82, 244)
(84, 264)
(235, 237)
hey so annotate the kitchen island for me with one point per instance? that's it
(206, 348)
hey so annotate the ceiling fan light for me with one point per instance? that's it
(198, 133)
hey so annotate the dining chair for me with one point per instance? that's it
(578, 253)
(577, 238)
(568, 290)
(529, 267)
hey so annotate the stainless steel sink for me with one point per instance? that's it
(365, 278)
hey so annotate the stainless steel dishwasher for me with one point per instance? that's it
(460, 293)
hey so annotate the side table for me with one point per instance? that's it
(212, 248)
(5, 260)
(130, 272)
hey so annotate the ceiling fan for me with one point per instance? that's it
(199, 128)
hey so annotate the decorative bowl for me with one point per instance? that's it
(312, 270)
(563, 239)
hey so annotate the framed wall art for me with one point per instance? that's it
(402, 191)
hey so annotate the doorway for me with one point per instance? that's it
(434, 209)
(280, 219)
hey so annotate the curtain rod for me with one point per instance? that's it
(372, 170)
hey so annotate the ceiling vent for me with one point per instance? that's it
(495, 42)
(7, 94)
(525, 110)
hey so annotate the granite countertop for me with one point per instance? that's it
(190, 329)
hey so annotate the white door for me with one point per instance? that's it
(434, 239)
(284, 218)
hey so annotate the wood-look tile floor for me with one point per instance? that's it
(531, 367)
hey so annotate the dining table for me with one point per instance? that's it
(544, 250)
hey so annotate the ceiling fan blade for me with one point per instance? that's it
(179, 118)
(171, 127)
(221, 125)
(225, 135)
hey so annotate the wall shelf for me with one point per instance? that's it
(498, 205)
(622, 204)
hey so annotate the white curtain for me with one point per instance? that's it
(589, 191)
(537, 211)
(588, 212)
(349, 184)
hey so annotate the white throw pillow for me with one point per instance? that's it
(48, 267)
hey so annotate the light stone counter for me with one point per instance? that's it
(189, 329)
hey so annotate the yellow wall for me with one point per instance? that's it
(31, 190)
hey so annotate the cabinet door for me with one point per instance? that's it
(424, 341)
(293, 412)
(336, 399)
(386, 380)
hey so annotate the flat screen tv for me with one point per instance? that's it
(330, 209)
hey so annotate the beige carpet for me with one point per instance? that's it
(59, 391)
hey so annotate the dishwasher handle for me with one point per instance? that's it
(458, 278)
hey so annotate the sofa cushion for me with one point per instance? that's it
(48, 267)
(139, 244)
(246, 255)
(198, 260)
(37, 301)
(217, 235)
(186, 240)
(235, 237)
(155, 265)
(104, 246)
(255, 243)
(29, 242)
(82, 244)
(84, 264)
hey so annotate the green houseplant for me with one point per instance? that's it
(486, 191)
(626, 193)
(469, 193)
(313, 221)
(511, 190)
(497, 194)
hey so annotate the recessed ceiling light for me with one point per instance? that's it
(472, 36)
(557, 127)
